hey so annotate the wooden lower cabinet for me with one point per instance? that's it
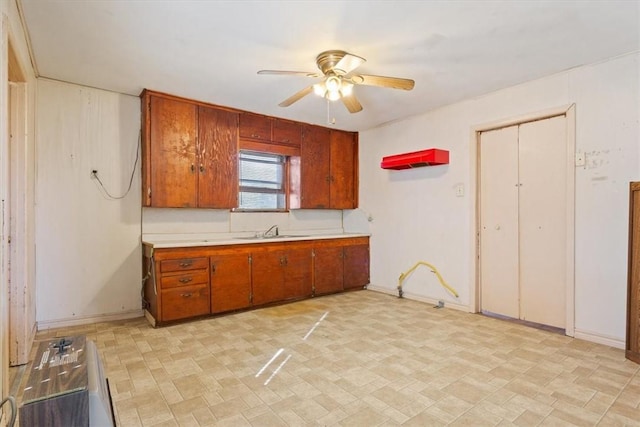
(297, 274)
(267, 275)
(185, 302)
(184, 287)
(356, 266)
(184, 283)
(230, 280)
(633, 290)
(328, 269)
(281, 273)
(340, 264)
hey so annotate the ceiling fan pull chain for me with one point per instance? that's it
(329, 119)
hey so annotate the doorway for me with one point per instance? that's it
(525, 199)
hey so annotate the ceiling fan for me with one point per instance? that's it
(337, 68)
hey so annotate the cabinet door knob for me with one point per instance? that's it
(213, 268)
(201, 168)
(193, 168)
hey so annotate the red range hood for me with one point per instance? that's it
(416, 159)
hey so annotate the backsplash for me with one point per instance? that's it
(159, 221)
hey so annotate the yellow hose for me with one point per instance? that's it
(434, 270)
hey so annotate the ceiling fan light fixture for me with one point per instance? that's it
(333, 84)
(333, 95)
(346, 89)
(320, 89)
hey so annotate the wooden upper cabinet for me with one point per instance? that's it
(218, 163)
(329, 169)
(287, 132)
(169, 153)
(343, 170)
(189, 154)
(255, 126)
(315, 168)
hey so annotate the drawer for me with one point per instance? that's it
(186, 278)
(185, 302)
(183, 264)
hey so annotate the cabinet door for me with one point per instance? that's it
(230, 282)
(297, 273)
(343, 170)
(328, 269)
(356, 266)
(218, 158)
(267, 273)
(255, 126)
(633, 290)
(315, 154)
(287, 132)
(172, 148)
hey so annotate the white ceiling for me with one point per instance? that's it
(211, 50)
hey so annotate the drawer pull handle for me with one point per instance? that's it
(184, 264)
(187, 295)
(185, 279)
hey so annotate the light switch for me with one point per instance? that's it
(581, 159)
(460, 190)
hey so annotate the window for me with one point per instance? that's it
(262, 177)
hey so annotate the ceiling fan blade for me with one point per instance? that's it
(296, 96)
(392, 82)
(299, 73)
(352, 103)
(348, 63)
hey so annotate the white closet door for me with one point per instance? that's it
(543, 228)
(499, 221)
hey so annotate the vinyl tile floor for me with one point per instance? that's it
(359, 359)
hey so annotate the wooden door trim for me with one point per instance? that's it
(569, 112)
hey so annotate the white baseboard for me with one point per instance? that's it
(599, 338)
(77, 321)
(414, 297)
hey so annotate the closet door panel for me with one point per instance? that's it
(543, 227)
(499, 221)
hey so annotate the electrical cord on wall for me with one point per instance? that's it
(12, 403)
(94, 174)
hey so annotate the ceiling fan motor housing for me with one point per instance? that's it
(329, 59)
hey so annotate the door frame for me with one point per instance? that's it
(569, 112)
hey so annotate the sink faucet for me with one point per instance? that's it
(273, 228)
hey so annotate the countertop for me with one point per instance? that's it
(187, 241)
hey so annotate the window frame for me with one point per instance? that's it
(284, 184)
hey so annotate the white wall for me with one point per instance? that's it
(417, 216)
(212, 223)
(88, 246)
